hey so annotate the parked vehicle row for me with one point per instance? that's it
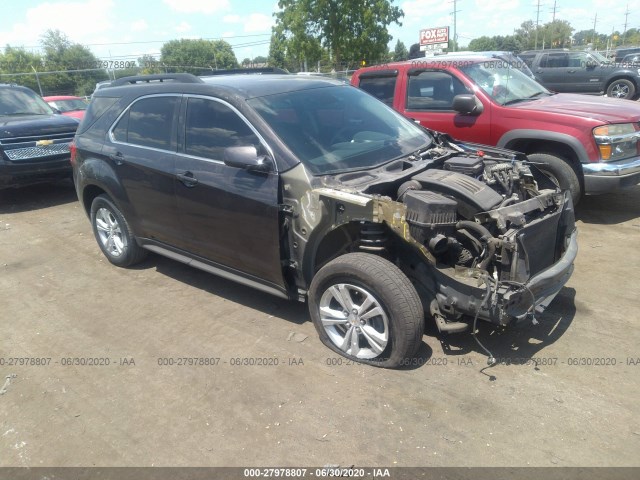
(575, 71)
(587, 144)
(310, 189)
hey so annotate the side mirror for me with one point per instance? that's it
(467, 104)
(246, 157)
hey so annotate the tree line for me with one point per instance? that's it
(318, 35)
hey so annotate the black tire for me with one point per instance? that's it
(113, 234)
(560, 171)
(621, 88)
(401, 314)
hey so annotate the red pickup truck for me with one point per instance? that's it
(587, 144)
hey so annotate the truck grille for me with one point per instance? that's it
(27, 148)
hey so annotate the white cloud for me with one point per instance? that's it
(422, 10)
(69, 17)
(182, 27)
(228, 34)
(198, 6)
(231, 18)
(139, 25)
(496, 6)
(258, 22)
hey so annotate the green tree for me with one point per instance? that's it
(483, 43)
(259, 60)
(19, 60)
(400, 52)
(66, 58)
(149, 65)
(557, 34)
(350, 30)
(196, 56)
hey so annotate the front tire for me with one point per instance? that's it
(560, 171)
(366, 309)
(113, 234)
(621, 88)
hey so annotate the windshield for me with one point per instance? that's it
(69, 105)
(15, 101)
(503, 83)
(339, 128)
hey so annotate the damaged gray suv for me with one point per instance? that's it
(315, 191)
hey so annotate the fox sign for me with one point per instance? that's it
(430, 36)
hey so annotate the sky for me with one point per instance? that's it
(127, 29)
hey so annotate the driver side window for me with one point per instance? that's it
(212, 126)
(433, 91)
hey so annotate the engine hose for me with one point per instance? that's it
(485, 237)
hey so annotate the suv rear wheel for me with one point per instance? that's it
(113, 233)
(621, 88)
(366, 309)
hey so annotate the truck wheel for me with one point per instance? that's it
(560, 172)
(367, 310)
(621, 88)
(113, 233)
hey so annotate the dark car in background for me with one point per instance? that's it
(34, 141)
(310, 189)
(580, 71)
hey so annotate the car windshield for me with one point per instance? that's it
(15, 101)
(505, 84)
(70, 105)
(339, 128)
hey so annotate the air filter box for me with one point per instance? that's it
(429, 213)
(466, 165)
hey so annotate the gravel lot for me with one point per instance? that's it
(574, 404)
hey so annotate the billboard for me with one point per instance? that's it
(434, 36)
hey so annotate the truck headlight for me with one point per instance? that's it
(617, 141)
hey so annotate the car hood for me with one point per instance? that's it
(599, 109)
(12, 126)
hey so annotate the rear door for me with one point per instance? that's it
(229, 214)
(142, 151)
(551, 72)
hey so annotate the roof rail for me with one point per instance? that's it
(245, 71)
(163, 77)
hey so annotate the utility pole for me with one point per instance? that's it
(455, 20)
(537, 23)
(553, 18)
(626, 17)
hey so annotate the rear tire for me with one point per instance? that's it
(113, 234)
(621, 88)
(560, 171)
(367, 310)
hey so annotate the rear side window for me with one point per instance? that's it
(380, 87)
(555, 60)
(212, 126)
(97, 107)
(148, 123)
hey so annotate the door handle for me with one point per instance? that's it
(571, 71)
(187, 179)
(118, 158)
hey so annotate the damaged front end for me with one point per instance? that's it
(503, 248)
(488, 236)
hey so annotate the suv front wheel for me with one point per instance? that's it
(366, 309)
(113, 233)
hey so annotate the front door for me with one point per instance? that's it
(229, 214)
